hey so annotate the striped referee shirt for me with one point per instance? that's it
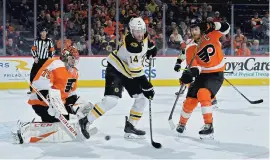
(43, 48)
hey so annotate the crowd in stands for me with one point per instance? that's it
(103, 34)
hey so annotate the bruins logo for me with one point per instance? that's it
(116, 90)
(133, 44)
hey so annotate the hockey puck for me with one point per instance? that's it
(107, 138)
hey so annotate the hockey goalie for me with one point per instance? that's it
(56, 81)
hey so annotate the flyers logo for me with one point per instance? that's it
(206, 52)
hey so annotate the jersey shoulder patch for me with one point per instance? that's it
(132, 45)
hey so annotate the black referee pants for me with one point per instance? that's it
(35, 68)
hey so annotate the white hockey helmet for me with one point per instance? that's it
(137, 24)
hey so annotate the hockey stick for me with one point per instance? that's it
(70, 130)
(251, 102)
(154, 144)
(171, 123)
(235, 69)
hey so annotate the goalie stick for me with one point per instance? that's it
(250, 101)
(154, 144)
(171, 123)
(71, 131)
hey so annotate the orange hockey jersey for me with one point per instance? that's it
(53, 74)
(209, 56)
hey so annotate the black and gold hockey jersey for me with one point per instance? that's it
(128, 59)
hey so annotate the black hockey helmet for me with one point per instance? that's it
(44, 29)
(195, 22)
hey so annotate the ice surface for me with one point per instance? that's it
(241, 129)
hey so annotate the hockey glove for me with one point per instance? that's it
(149, 93)
(53, 112)
(177, 65)
(208, 27)
(189, 76)
(152, 51)
(147, 87)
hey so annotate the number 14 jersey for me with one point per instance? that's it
(54, 74)
(128, 59)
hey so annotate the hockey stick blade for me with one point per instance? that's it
(251, 102)
(156, 145)
(256, 102)
(171, 123)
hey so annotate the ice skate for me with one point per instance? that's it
(84, 125)
(17, 137)
(207, 132)
(180, 129)
(131, 132)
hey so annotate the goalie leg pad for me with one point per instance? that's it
(137, 109)
(107, 103)
(38, 132)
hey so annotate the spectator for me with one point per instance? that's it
(83, 31)
(217, 17)
(71, 30)
(243, 50)
(82, 46)
(76, 20)
(152, 6)
(210, 12)
(256, 25)
(238, 38)
(226, 44)
(265, 23)
(56, 10)
(257, 49)
(176, 37)
(96, 45)
(48, 23)
(20, 42)
(110, 29)
(41, 17)
(170, 18)
(67, 43)
(12, 48)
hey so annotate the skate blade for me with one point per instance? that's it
(207, 137)
(180, 134)
(131, 136)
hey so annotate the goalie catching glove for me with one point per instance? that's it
(80, 108)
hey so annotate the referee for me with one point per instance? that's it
(42, 50)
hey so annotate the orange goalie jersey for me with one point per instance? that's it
(209, 56)
(53, 74)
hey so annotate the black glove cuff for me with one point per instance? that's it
(178, 61)
(143, 81)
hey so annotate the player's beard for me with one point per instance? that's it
(196, 37)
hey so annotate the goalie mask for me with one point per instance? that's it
(70, 56)
(137, 28)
